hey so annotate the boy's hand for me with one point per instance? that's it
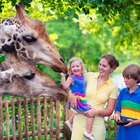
(117, 116)
(130, 123)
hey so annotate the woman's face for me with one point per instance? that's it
(104, 68)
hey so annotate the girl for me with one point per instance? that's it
(77, 84)
(128, 105)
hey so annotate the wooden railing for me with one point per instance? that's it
(111, 129)
(32, 118)
(40, 118)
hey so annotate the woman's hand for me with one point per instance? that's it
(91, 113)
(72, 99)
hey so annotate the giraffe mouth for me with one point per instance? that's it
(56, 69)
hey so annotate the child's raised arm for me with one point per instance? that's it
(65, 82)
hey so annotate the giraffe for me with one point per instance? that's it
(30, 41)
(19, 78)
(26, 43)
(27, 83)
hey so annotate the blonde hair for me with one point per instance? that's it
(81, 63)
(132, 71)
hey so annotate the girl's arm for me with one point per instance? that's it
(66, 82)
(106, 112)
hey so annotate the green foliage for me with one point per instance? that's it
(110, 133)
(49, 71)
(115, 25)
(2, 57)
(72, 42)
(87, 28)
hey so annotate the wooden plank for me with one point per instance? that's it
(51, 118)
(58, 120)
(32, 119)
(45, 119)
(7, 119)
(1, 121)
(13, 119)
(39, 117)
(26, 117)
(115, 129)
(19, 118)
(108, 125)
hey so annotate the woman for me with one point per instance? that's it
(100, 91)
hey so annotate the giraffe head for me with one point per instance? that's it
(22, 79)
(21, 86)
(28, 39)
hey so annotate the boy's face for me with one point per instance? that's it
(130, 82)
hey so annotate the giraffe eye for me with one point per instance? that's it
(29, 38)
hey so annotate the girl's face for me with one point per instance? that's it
(104, 68)
(130, 82)
(76, 68)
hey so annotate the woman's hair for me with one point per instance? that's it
(132, 71)
(112, 61)
(78, 60)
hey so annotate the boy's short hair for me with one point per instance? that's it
(132, 71)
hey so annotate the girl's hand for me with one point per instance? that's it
(62, 74)
(91, 113)
(116, 116)
(72, 99)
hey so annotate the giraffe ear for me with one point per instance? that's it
(7, 48)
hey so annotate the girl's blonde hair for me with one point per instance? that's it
(132, 71)
(80, 61)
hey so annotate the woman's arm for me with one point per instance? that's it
(109, 110)
(106, 112)
(72, 99)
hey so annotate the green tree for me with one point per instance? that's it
(87, 28)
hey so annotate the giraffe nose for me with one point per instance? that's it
(7, 48)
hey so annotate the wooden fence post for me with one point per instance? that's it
(1, 122)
